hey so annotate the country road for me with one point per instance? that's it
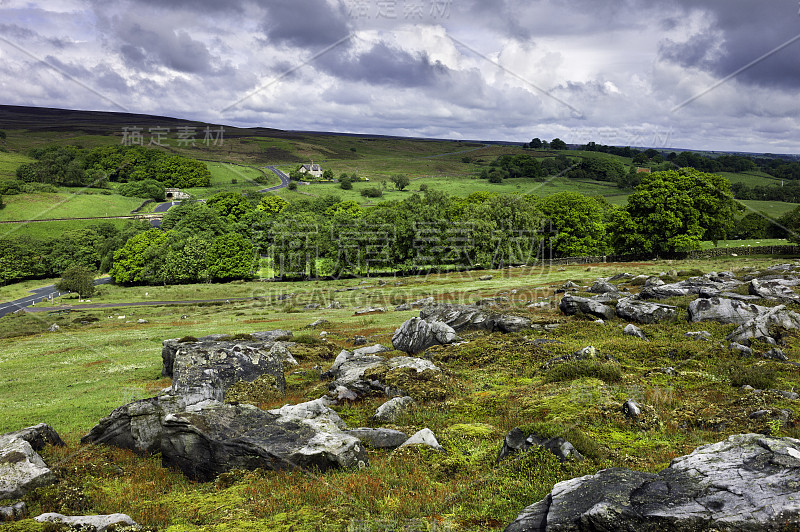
(282, 176)
(39, 295)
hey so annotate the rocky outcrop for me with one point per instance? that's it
(747, 482)
(517, 441)
(202, 436)
(775, 289)
(571, 305)
(770, 325)
(711, 284)
(216, 438)
(602, 286)
(349, 368)
(645, 312)
(723, 310)
(21, 467)
(633, 330)
(38, 436)
(88, 523)
(468, 317)
(416, 335)
(169, 348)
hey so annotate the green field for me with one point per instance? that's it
(9, 163)
(774, 209)
(746, 243)
(43, 206)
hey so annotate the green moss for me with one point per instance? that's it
(188, 339)
(258, 392)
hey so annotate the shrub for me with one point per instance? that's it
(759, 377)
(187, 339)
(372, 192)
(292, 185)
(584, 368)
(306, 339)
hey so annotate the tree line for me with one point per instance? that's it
(145, 171)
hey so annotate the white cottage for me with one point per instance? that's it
(312, 169)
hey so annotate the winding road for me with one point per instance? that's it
(282, 176)
(46, 292)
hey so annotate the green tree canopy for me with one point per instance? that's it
(675, 210)
(579, 222)
(231, 257)
(272, 205)
(133, 263)
(400, 181)
(78, 279)
(230, 205)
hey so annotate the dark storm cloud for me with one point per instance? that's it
(304, 23)
(383, 65)
(742, 31)
(145, 47)
(199, 6)
(13, 31)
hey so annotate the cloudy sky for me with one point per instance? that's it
(705, 74)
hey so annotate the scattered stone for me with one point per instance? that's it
(775, 354)
(485, 278)
(349, 370)
(284, 297)
(318, 323)
(540, 304)
(723, 310)
(621, 277)
(653, 281)
(340, 393)
(14, 512)
(379, 438)
(571, 305)
(416, 335)
(600, 322)
(358, 340)
(516, 441)
(712, 488)
(142, 321)
(334, 305)
(54, 328)
(370, 310)
(402, 308)
(185, 317)
(742, 349)
(312, 306)
(633, 330)
(491, 301)
(424, 437)
(631, 409)
(96, 523)
(391, 409)
(645, 312)
(569, 285)
(371, 350)
(705, 336)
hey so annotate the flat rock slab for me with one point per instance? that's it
(769, 325)
(748, 482)
(571, 305)
(416, 335)
(379, 438)
(96, 523)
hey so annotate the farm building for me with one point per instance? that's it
(312, 169)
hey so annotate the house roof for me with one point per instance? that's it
(312, 167)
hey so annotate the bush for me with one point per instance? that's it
(584, 368)
(346, 184)
(306, 339)
(372, 192)
(292, 185)
(759, 377)
(11, 187)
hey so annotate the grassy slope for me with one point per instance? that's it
(72, 378)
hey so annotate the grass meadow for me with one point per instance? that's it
(491, 383)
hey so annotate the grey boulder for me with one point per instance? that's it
(747, 482)
(645, 312)
(633, 330)
(391, 409)
(21, 468)
(416, 335)
(571, 305)
(424, 437)
(775, 289)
